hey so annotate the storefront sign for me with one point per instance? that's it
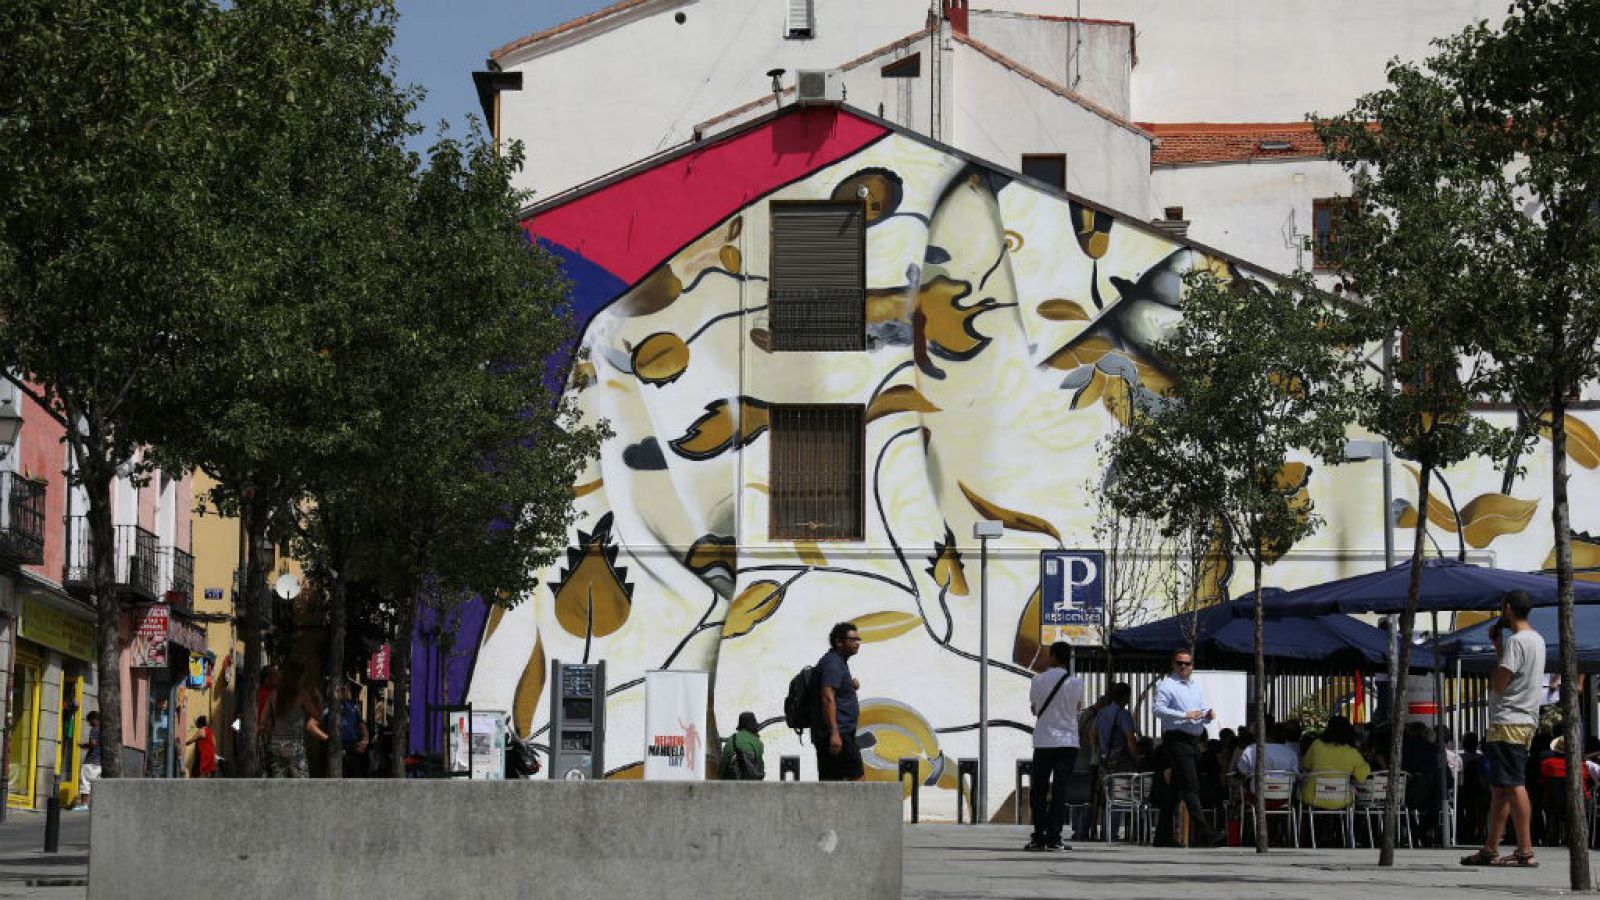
(57, 630)
(148, 649)
(154, 627)
(378, 665)
(1072, 601)
(675, 725)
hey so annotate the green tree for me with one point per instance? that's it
(1530, 98)
(1256, 381)
(1409, 249)
(108, 242)
(1477, 238)
(309, 173)
(471, 492)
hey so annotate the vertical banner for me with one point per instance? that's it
(1072, 603)
(675, 725)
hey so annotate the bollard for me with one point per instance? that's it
(966, 790)
(912, 766)
(1024, 770)
(788, 765)
(52, 824)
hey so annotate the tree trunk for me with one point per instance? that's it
(253, 519)
(336, 632)
(400, 672)
(97, 478)
(1397, 690)
(1258, 704)
(1577, 823)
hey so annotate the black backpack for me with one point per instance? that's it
(800, 708)
(739, 764)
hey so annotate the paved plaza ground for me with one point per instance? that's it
(987, 863)
(953, 862)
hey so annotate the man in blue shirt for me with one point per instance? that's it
(1180, 708)
(834, 737)
(1115, 734)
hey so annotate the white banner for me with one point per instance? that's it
(675, 725)
(487, 752)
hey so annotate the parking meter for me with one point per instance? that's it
(577, 721)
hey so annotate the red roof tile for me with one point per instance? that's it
(570, 25)
(1182, 143)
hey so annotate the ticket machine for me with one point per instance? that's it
(577, 721)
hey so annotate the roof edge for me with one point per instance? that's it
(568, 27)
(578, 192)
(1055, 88)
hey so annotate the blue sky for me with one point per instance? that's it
(439, 43)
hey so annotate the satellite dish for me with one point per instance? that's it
(287, 586)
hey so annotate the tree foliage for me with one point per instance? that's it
(1258, 383)
(1479, 180)
(108, 239)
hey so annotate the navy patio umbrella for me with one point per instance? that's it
(1217, 630)
(1471, 647)
(1446, 585)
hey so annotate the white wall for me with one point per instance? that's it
(999, 116)
(1258, 61)
(1094, 59)
(638, 88)
(1250, 209)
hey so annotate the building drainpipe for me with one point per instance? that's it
(5, 734)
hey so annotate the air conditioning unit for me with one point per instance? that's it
(820, 87)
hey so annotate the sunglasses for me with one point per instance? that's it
(1183, 663)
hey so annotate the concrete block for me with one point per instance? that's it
(159, 839)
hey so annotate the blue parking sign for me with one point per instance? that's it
(1072, 598)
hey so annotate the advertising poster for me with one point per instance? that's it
(675, 725)
(477, 742)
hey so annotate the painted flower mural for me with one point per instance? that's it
(1008, 328)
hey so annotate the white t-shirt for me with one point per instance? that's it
(1058, 723)
(1524, 658)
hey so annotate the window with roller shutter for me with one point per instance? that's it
(800, 23)
(816, 298)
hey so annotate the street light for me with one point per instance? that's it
(10, 424)
(983, 530)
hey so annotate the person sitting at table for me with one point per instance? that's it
(1282, 755)
(1333, 751)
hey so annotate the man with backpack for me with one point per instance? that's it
(833, 732)
(1056, 697)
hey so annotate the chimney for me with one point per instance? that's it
(1173, 223)
(955, 11)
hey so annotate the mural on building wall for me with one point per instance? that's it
(1009, 330)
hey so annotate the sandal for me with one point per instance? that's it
(1517, 860)
(1480, 857)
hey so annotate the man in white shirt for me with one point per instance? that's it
(1180, 707)
(1515, 688)
(1282, 756)
(1056, 698)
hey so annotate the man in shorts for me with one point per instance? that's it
(1515, 689)
(838, 756)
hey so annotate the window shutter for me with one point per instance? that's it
(799, 18)
(817, 472)
(816, 296)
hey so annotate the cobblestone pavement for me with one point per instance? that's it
(987, 863)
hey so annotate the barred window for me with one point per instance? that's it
(816, 473)
(816, 299)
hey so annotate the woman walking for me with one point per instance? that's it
(291, 716)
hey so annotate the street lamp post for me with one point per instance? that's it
(983, 530)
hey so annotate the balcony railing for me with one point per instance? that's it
(21, 519)
(177, 576)
(136, 570)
